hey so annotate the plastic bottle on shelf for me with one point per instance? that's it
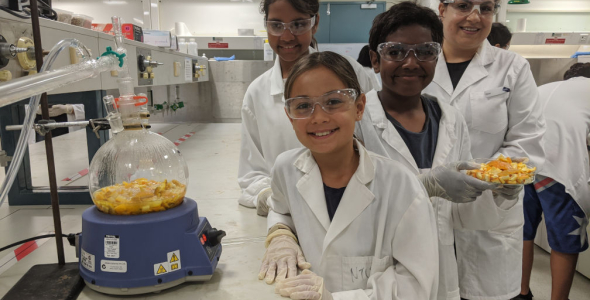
(182, 45)
(268, 53)
(193, 47)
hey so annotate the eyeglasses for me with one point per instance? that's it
(394, 51)
(297, 27)
(331, 102)
(466, 7)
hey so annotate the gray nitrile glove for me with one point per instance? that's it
(448, 182)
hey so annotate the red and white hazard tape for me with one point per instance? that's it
(184, 138)
(21, 252)
(77, 175)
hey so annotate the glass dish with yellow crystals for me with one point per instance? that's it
(504, 171)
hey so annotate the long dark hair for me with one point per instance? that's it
(310, 7)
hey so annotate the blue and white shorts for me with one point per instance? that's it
(566, 221)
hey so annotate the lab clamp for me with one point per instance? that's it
(49, 79)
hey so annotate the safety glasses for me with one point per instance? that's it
(331, 102)
(297, 27)
(394, 51)
(466, 7)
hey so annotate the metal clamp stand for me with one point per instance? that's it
(49, 281)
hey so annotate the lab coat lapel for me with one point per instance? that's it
(389, 133)
(476, 69)
(356, 198)
(442, 77)
(311, 188)
(277, 86)
(446, 135)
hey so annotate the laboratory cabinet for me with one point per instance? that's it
(347, 22)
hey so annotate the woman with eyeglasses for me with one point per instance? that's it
(427, 136)
(495, 91)
(291, 25)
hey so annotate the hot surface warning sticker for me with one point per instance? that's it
(111, 246)
(161, 268)
(174, 260)
(170, 265)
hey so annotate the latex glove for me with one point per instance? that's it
(262, 202)
(308, 285)
(58, 109)
(283, 256)
(509, 192)
(448, 182)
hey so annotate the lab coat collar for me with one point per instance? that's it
(447, 135)
(475, 71)
(389, 134)
(355, 199)
(446, 131)
(277, 86)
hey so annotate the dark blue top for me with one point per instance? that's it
(333, 197)
(422, 145)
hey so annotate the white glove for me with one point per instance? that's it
(308, 285)
(262, 202)
(58, 109)
(283, 256)
(448, 182)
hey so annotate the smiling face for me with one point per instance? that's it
(322, 132)
(409, 77)
(289, 47)
(464, 32)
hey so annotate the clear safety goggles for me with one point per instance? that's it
(466, 7)
(331, 102)
(394, 51)
(297, 27)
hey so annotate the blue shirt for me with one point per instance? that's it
(422, 144)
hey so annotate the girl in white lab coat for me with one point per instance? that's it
(363, 221)
(421, 132)
(495, 91)
(266, 133)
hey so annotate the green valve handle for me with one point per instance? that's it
(159, 106)
(111, 52)
(174, 106)
(180, 104)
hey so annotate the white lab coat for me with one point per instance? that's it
(266, 130)
(500, 122)
(381, 137)
(381, 243)
(567, 112)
